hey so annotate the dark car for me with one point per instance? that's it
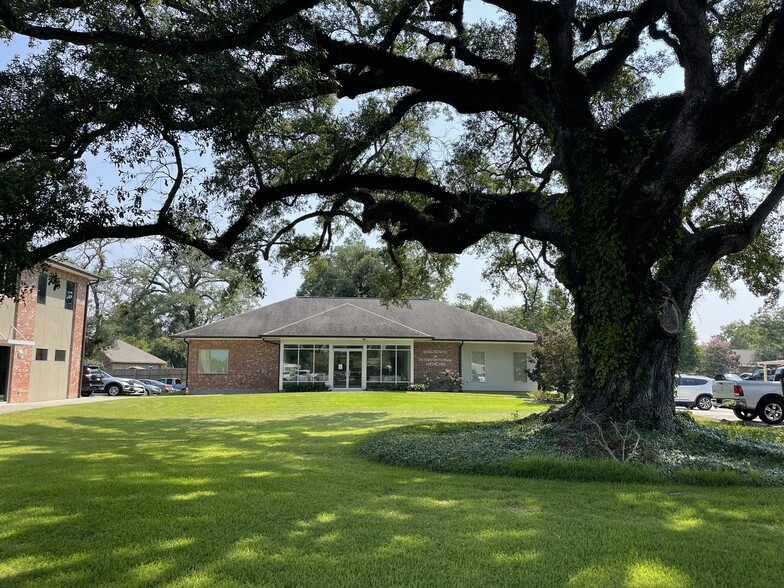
(92, 380)
(779, 375)
(759, 374)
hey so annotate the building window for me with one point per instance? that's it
(305, 363)
(43, 280)
(389, 363)
(213, 361)
(41, 354)
(70, 294)
(520, 367)
(478, 366)
(59, 354)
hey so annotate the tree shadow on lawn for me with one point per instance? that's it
(126, 501)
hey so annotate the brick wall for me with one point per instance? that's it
(432, 359)
(77, 334)
(253, 366)
(24, 321)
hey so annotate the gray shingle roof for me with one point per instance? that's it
(360, 317)
(122, 352)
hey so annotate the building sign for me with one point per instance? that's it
(433, 357)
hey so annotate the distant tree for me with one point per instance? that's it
(96, 256)
(481, 306)
(553, 309)
(764, 333)
(717, 357)
(689, 351)
(556, 357)
(356, 270)
(740, 334)
(161, 291)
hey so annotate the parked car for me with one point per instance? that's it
(759, 374)
(694, 391)
(751, 399)
(779, 374)
(165, 388)
(149, 389)
(92, 380)
(745, 375)
(175, 383)
(114, 386)
(298, 376)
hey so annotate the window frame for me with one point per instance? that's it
(41, 354)
(70, 294)
(524, 360)
(60, 355)
(319, 362)
(401, 362)
(43, 284)
(474, 374)
(210, 365)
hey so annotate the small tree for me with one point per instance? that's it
(718, 357)
(556, 358)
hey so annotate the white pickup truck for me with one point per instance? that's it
(750, 399)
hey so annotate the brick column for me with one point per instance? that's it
(22, 355)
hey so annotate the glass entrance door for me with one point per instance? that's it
(5, 366)
(347, 370)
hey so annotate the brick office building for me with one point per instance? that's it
(42, 335)
(356, 343)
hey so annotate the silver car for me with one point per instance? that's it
(149, 388)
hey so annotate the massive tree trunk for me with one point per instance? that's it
(627, 359)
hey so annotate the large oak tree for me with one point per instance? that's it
(232, 122)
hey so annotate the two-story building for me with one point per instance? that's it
(42, 335)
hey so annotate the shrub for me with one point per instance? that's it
(550, 397)
(386, 387)
(446, 381)
(305, 386)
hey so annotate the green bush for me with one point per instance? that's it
(543, 396)
(305, 386)
(386, 387)
(446, 381)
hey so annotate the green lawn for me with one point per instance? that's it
(267, 491)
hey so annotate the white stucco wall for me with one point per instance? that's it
(499, 367)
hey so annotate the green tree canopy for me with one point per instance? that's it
(358, 270)
(566, 158)
(557, 359)
(764, 333)
(689, 352)
(157, 293)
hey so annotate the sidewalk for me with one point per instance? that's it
(6, 407)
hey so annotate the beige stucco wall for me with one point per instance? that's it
(6, 319)
(499, 366)
(53, 331)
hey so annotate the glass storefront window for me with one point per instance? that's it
(305, 363)
(389, 363)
